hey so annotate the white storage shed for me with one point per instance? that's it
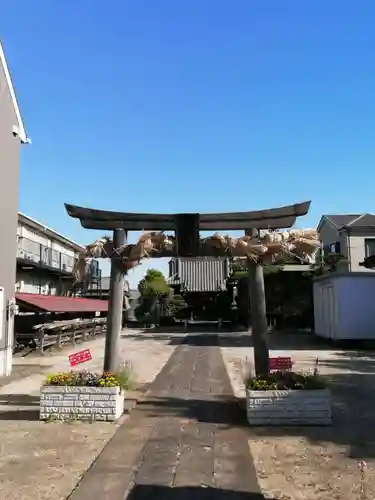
(344, 306)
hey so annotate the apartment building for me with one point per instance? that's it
(45, 259)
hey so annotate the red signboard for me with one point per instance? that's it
(80, 357)
(281, 363)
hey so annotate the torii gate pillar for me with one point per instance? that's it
(115, 305)
(258, 310)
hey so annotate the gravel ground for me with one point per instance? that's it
(298, 468)
(45, 461)
(320, 463)
(40, 461)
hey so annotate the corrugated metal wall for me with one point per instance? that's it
(203, 274)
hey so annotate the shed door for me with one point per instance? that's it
(329, 307)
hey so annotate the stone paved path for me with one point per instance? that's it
(187, 437)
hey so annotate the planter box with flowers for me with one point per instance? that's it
(288, 398)
(84, 396)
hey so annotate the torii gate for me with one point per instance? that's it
(187, 227)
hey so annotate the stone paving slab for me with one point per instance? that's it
(187, 436)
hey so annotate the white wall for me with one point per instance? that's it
(357, 249)
(344, 306)
(26, 232)
(9, 185)
(32, 282)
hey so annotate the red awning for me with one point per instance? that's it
(53, 303)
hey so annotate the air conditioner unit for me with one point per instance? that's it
(31, 257)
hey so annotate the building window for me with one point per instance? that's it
(336, 247)
(332, 248)
(369, 247)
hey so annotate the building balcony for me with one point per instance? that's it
(35, 254)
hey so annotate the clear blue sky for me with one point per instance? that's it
(193, 105)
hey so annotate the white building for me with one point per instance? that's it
(45, 259)
(12, 136)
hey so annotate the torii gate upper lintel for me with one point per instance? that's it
(275, 218)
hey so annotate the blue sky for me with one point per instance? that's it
(193, 105)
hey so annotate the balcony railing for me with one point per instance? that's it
(45, 256)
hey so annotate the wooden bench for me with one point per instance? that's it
(203, 323)
(281, 364)
(60, 332)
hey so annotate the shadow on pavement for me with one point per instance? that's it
(225, 411)
(20, 415)
(151, 492)
(352, 362)
(281, 340)
(171, 338)
(19, 399)
(19, 407)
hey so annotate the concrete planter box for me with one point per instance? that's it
(81, 403)
(289, 407)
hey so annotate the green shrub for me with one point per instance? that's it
(177, 307)
(166, 321)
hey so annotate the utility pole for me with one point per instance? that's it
(115, 304)
(259, 325)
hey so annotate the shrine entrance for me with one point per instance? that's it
(263, 242)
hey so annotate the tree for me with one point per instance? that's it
(177, 306)
(327, 263)
(240, 269)
(153, 284)
(153, 289)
